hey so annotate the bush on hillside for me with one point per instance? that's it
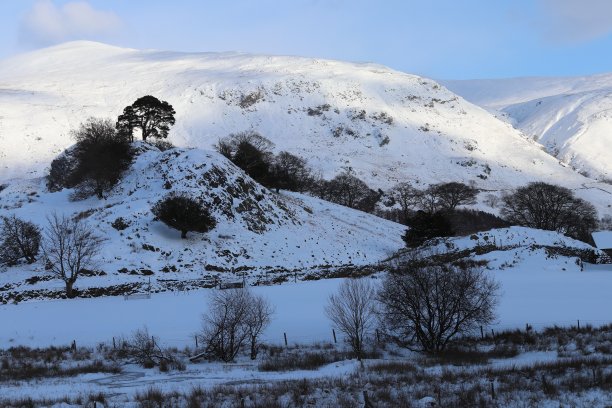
(348, 190)
(19, 240)
(183, 213)
(95, 163)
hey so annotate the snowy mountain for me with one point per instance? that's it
(260, 234)
(386, 125)
(571, 117)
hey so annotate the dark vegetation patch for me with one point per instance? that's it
(24, 363)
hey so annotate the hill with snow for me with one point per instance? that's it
(386, 125)
(571, 117)
(266, 236)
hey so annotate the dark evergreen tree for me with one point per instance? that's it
(152, 116)
(183, 213)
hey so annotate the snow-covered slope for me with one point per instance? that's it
(385, 124)
(571, 117)
(261, 233)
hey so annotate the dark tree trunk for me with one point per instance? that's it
(69, 289)
(183, 234)
(253, 349)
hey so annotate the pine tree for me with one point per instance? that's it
(152, 116)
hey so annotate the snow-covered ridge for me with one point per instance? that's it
(387, 125)
(571, 117)
(257, 231)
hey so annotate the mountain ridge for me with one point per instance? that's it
(569, 116)
(386, 125)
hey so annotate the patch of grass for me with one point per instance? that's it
(18, 370)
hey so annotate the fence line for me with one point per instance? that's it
(277, 338)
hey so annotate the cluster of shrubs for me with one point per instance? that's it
(253, 153)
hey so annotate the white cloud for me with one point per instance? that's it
(47, 23)
(575, 21)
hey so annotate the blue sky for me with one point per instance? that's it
(456, 39)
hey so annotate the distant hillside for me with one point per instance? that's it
(571, 117)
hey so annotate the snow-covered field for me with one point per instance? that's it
(535, 290)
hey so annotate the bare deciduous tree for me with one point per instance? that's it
(353, 311)
(19, 240)
(446, 197)
(290, 172)
(102, 156)
(235, 317)
(257, 319)
(450, 195)
(143, 348)
(69, 246)
(428, 306)
(407, 197)
(549, 207)
(348, 190)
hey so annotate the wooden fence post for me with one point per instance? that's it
(366, 400)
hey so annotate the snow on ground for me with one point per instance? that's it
(603, 239)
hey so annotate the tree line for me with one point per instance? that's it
(432, 211)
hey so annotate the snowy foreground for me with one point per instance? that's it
(531, 294)
(537, 288)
